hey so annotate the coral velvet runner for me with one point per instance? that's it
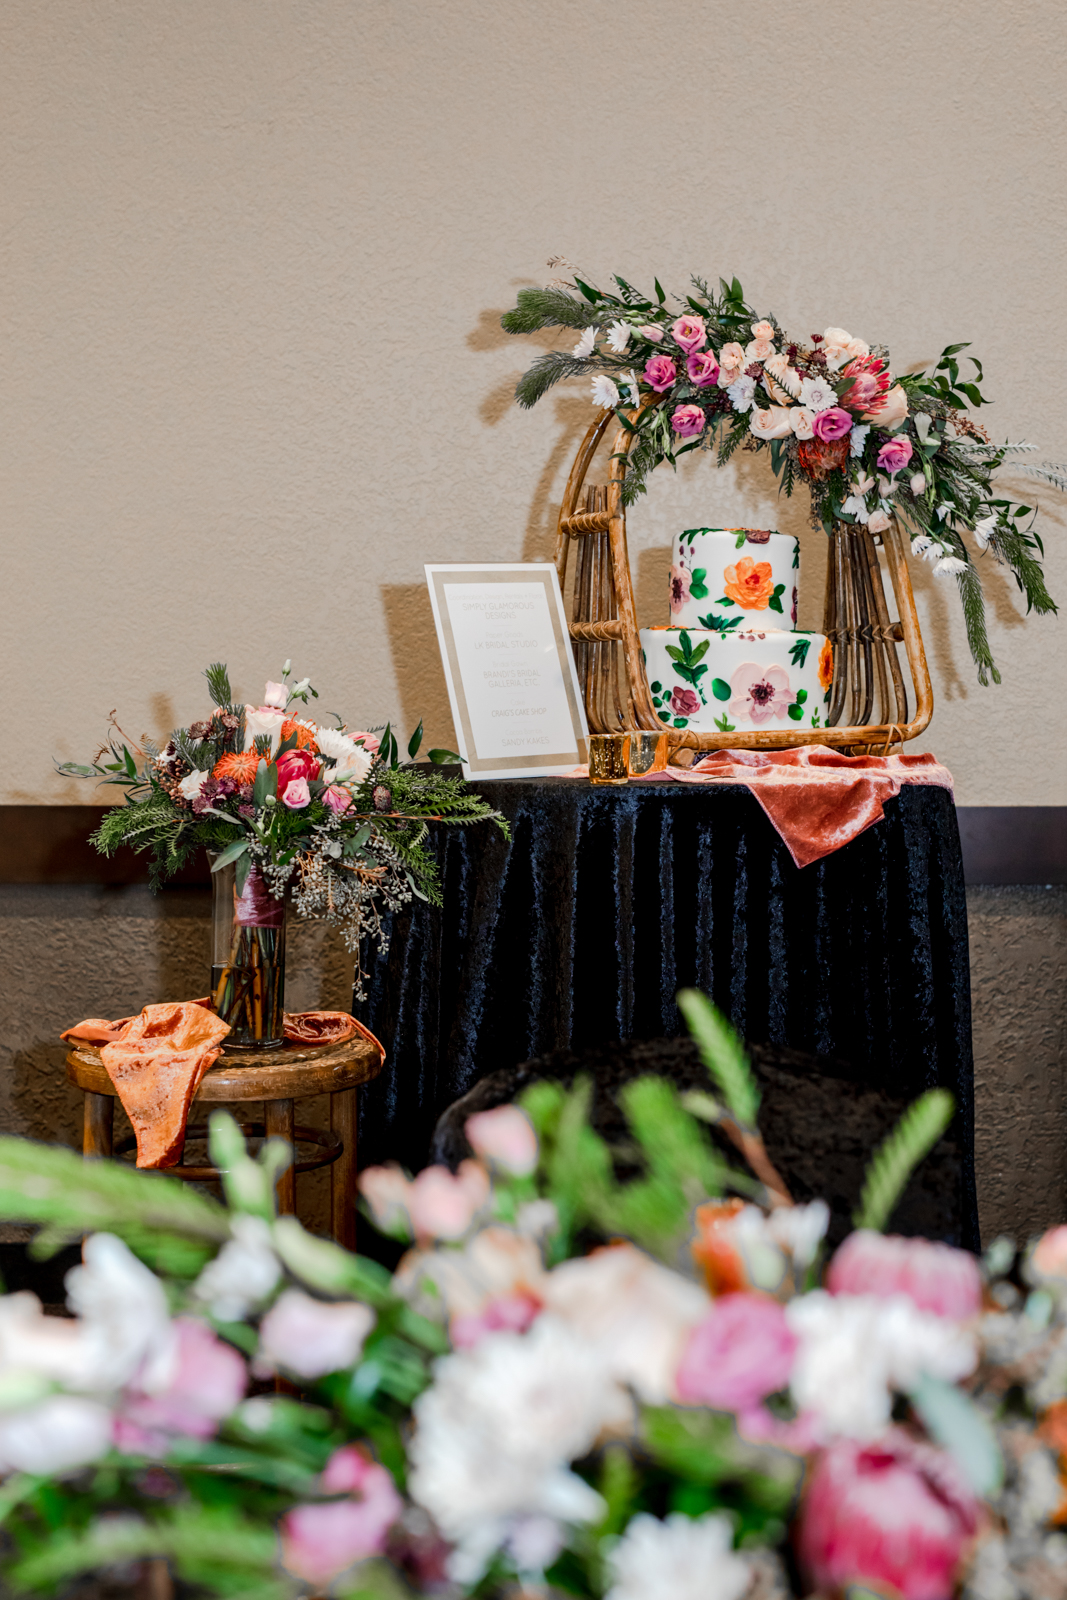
(157, 1060)
(816, 798)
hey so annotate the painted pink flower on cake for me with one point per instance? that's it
(680, 582)
(759, 693)
(684, 703)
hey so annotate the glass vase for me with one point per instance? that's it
(248, 960)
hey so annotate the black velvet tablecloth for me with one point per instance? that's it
(607, 901)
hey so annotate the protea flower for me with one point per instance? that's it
(820, 457)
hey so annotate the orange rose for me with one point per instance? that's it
(749, 584)
(714, 1249)
(826, 665)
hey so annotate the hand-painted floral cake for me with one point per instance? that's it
(732, 658)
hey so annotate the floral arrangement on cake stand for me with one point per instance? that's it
(887, 458)
(573, 1385)
(287, 809)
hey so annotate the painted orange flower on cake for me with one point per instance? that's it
(749, 584)
(240, 765)
(826, 665)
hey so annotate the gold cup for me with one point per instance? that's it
(648, 752)
(608, 757)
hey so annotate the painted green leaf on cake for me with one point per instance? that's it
(720, 688)
(657, 688)
(664, 716)
(689, 663)
(724, 726)
(681, 722)
(697, 587)
(724, 600)
(815, 720)
(741, 537)
(796, 554)
(802, 695)
(717, 624)
(795, 712)
(775, 602)
(798, 652)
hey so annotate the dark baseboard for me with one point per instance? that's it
(50, 844)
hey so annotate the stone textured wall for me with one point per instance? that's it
(68, 953)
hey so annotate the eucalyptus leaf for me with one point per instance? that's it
(956, 1423)
(231, 852)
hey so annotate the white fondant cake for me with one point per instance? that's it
(741, 682)
(729, 578)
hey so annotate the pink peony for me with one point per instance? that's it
(831, 424)
(687, 421)
(895, 1512)
(741, 1352)
(338, 800)
(442, 1204)
(690, 333)
(205, 1383)
(661, 373)
(759, 693)
(702, 368)
(320, 1541)
(506, 1137)
(684, 703)
(680, 581)
(894, 455)
(312, 1337)
(296, 794)
(935, 1277)
(506, 1313)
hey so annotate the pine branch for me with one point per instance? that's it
(970, 587)
(546, 371)
(546, 308)
(1048, 471)
(1012, 547)
(218, 684)
(721, 1052)
(897, 1156)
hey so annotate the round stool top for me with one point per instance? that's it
(292, 1073)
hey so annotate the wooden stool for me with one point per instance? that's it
(278, 1078)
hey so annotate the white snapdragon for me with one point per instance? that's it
(618, 337)
(681, 1558)
(605, 394)
(584, 348)
(741, 393)
(917, 483)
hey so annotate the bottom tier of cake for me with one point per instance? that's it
(738, 682)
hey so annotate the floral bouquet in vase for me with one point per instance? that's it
(288, 809)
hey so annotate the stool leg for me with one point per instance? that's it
(278, 1117)
(343, 1171)
(99, 1129)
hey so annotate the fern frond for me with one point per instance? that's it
(546, 308)
(1048, 471)
(722, 1054)
(897, 1156)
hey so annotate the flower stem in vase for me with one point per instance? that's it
(248, 974)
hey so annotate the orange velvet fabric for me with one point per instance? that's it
(326, 1027)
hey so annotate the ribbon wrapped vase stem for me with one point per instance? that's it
(248, 959)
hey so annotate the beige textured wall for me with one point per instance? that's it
(254, 254)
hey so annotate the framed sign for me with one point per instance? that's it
(512, 683)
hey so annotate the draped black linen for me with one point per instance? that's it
(606, 902)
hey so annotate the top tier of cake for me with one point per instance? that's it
(726, 578)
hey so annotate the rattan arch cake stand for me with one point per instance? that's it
(869, 701)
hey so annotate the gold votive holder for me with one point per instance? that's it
(648, 752)
(608, 757)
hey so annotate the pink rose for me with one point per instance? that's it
(831, 424)
(296, 795)
(741, 1352)
(758, 350)
(802, 421)
(680, 581)
(690, 333)
(505, 1136)
(320, 1541)
(505, 1313)
(207, 1382)
(442, 1204)
(337, 799)
(651, 333)
(661, 373)
(1049, 1258)
(732, 355)
(763, 330)
(935, 1277)
(892, 411)
(687, 421)
(702, 368)
(894, 455)
(684, 703)
(877, 522)
(773, 423)
(369, 741)
(895, 1512)
(312, 1337)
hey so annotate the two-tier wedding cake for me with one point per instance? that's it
(731, 658)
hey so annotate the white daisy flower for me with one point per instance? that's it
(618, 337)
(983, 530)
(860, 430)
(817, 394)
(741, 394)
(605, 393)
(633, 396)
(584, 348)
(949, 566)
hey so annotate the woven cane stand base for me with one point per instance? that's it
(869, 699)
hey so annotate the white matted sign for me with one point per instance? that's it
(512, 683)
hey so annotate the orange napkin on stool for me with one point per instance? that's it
(326, 1027)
